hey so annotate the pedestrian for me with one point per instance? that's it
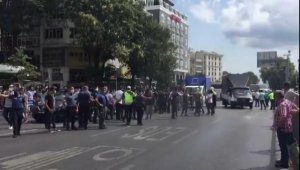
(209, 103)
(214, 99)
(128, 98)
(161, 100)
(283, 126)
(185, 103)
(267, 100)
(102, 108)
(199, 103)
(118, 96)
(140, 107)
(7, 111)
(49, 110)
(174, 101)
(18, 107)
(262, 100)
(71, 108)
(84, 98)
(272, 100)
(110, 103)
(257, 99)
(149, 101)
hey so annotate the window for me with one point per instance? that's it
(56, 33)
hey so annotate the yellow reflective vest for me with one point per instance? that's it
(128, 97)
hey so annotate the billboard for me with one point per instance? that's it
(266, 58)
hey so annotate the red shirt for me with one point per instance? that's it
(283, 116)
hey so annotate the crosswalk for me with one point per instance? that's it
(42, 159)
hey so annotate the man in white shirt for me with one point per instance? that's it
(119, 104)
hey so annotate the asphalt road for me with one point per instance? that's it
(238, 139)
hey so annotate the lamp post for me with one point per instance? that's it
(287, 66)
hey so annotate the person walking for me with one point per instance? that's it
(262, 100)
(18, 107)
(140, 107)
(209, 103)
(84, 98)
(174, 100)
(119, 104)
(149, 103)
(283, 126)
(257, 98)
(102, 110)
(128, 98)
(71, 108)
(185, 103)
(272, 100)
(49, 110)
(7, 111)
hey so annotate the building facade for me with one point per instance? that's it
(206, 63)
(164, 12)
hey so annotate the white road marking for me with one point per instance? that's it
(185, 137)
(12, 156)
(149, 133)
(22, 132)
(167, 134)
(110, 131)
(99, 157)
(128, 167)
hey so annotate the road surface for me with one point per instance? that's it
(238, 139)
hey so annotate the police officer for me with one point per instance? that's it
(128, 98)
(84, 98)
(102, 102)
(70, 109)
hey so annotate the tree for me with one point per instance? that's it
(28, 71)
(276, 75)
(253, 79)
(104, 26)
(159, 53)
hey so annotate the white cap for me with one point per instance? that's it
(129, 87)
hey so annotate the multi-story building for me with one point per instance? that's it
(206, 63)
(164, 12)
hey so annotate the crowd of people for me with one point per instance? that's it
(98, 104)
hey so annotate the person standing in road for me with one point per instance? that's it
(71, 108)
(199, 104)
(7, 111)
(209, 103)
(102, 110)
(214, 99)
(262, 100)
(49, 110)
(149, 103)
(272, 100)
(174, 100)
(119, 104)
(283, 126)
(185, 103)
(84, 98)
(110, 103)
(257, 98)
(128, 98)
(140, 107)
(18, 107)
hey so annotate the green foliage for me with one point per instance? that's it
(28, 71)
(253, 79)
(276, 75)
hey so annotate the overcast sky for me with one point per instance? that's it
(238, 29)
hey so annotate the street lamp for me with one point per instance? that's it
(287, 66)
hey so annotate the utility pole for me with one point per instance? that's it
(287, 66)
